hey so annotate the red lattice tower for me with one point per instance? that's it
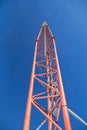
(46, 72)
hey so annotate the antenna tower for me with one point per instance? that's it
(46, 74)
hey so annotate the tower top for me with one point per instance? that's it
(44, 23)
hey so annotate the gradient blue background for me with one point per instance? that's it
(20, 22)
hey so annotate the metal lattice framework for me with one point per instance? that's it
(46, 72)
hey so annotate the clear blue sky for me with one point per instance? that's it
(20, 22)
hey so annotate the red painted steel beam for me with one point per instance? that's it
(67, 124)
(29, 100)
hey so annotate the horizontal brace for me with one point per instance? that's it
(39, 94)
(43, 74)
(45, 66)
(46, 61)
(44, 97)
(39, 54)
(38, 64)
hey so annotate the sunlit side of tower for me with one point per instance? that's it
(46, 72)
